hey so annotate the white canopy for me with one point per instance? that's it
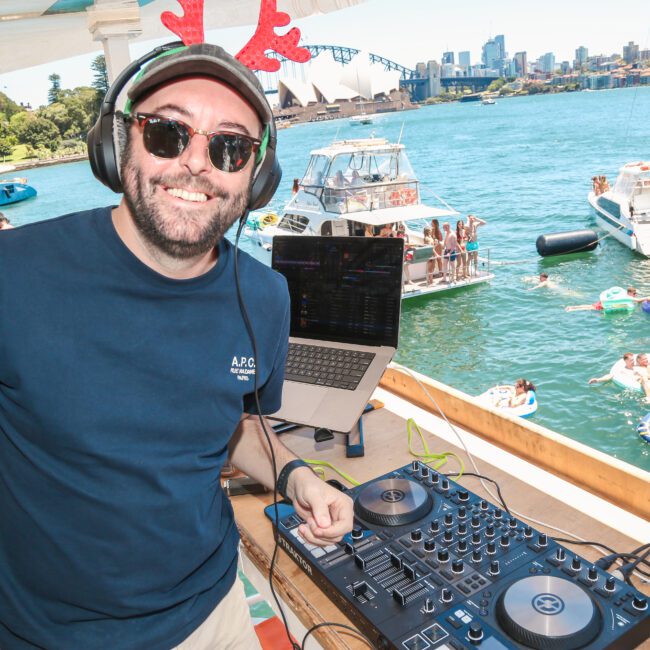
(394, 215)
(33, 32)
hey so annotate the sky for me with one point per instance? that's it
(408, 31)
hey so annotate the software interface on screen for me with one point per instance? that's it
(345, 289)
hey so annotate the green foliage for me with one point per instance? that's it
(6, 146)
(8, 107)
(57, 113)
(496, 85)
(54, 93)
(100, 78)
(41, 133)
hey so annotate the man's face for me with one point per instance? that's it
(445, 227)
(183, 206)
(642, 360)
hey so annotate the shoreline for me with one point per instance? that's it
(7, 168)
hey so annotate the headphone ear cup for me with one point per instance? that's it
(266, 182)
(102, 155)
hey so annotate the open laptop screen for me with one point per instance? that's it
(345, 289)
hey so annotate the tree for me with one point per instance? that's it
(57, 113)
(6, 146)
(54, 93)
(100, 79)
(42, 133)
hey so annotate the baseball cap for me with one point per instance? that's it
(202, 59)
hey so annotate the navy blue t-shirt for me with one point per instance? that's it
(119, 391)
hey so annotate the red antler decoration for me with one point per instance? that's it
(190, 27)
(253, 55)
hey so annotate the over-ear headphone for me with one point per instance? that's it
(104, 140)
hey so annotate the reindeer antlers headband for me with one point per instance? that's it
(189, 28)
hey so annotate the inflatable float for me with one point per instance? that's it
(623, 377)
(616, 299)
(499, 397)
(645, 306)
(643, 428)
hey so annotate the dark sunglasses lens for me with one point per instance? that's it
(229, 152)
(165, 138)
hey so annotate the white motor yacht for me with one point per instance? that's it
(624, 210)
(357, 188)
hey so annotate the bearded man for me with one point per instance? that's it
(127, 379)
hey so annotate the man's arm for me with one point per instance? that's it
(599, 380)
(327, 511)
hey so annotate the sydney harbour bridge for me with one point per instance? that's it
(409, 79)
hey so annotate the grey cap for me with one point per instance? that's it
(203, 59)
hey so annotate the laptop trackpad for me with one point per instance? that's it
(300, 401)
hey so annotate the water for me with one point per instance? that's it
(523, 165)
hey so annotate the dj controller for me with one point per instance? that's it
(429, 564)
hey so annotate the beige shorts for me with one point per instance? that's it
(229, 626)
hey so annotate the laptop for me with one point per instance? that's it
(345, 313)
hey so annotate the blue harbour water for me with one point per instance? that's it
(524, 165)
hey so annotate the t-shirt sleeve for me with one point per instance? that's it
(270, 393)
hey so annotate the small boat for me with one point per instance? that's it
(14, 190)
(362, 118)
(499, 397)
(488, 101)
(357, 188)
(624, 210)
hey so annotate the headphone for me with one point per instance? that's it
(106, 137)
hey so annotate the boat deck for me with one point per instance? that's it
(531, 492)
(421, 288)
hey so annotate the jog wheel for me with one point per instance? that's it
(392, 502)
(548, 613)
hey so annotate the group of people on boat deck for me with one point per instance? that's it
(455, 252)
(600, 184)
(638, 365)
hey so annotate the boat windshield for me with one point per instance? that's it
(315, 175)
(631, 184)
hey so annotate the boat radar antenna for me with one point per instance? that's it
(399, 140)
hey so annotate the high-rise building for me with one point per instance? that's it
(582, 54)
(433, 70)
(490, 55)
(448, 57)
(631, 52)
(464, 59)
(547, 62)
(500, 40)
(565, 67)
(521, 63)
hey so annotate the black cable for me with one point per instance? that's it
(561, 540)
(344, 626)
(251, 334)
(485, 478)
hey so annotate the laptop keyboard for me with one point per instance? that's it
(335, 367)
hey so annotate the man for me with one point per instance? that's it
(628, 361)
(126, 381)
(5, 224)
(450, 253)
(642, 374)
(597, 306)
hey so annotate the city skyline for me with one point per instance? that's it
(418, 31)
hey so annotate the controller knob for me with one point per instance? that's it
(476, 522)
(444, 484)
(592, 573)
(497, 513)
(476, 555)
(495, 569)
(475, 632)
(457, 566)
(491, 548)
(542, 540)
(476, 538)
(489, 531)
(429, 607)
(528, 532)
(462, 512)
(435, 526)
(447, 595)
(416, 535)
(434, 478)
(560, 555)
(429, 545)
(462, 546)
(576, 564)
(448, 537)
(415, 465)
(463, 495)
(357, 533)
(424, 471)
(640, 603)
(484, 504)
(610, 583)
(512, 522)
(443, 555)
(505, 541)
(462, 529)
(449, 519)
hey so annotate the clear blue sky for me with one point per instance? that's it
(409, 31)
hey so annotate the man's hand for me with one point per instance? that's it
(327, 511)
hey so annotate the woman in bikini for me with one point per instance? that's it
(437, 243)
(461, 238)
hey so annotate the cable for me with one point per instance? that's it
(487, 478)
(356, 632)
(473, 462)
(251, 334)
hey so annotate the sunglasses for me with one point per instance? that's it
(165, 137)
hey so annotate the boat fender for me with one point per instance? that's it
(643, 428)
(563, 243)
